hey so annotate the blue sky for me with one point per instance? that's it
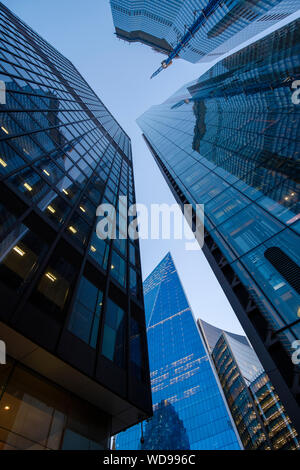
(119, 73)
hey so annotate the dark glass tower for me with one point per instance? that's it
(207, 28)
(189, 409)
(230, 140)
(72, 313)
(260, 417)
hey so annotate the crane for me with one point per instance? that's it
(204, 15)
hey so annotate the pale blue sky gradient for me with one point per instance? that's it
(119, 73)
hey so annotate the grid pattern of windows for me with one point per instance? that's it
(189, 411)
(260, 417)
(61, 155)
(276, 421)
(166, 22)
(243, 411)
(230, 140)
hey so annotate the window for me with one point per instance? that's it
(99, 249)
(73, 440)
(54, 287)
(55, 208)
(120, 244)
(7, 220)
(249, 228)
(134, 283)
(78, 229)
(118, 269)
(37, 415)
(32, 412)
(21, 261)
(284, 265)
(137, 361)
(9, 160)
(30, 183)
(85, 317)
(132, 254)
(113, 346)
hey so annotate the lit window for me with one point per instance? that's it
(18, 250)
(51, 209)
(4, 130)
(51, 277)
(82, 209)
(93, 249)
(27, 186)
(46, 172)
(72, 229)
(65, 191)
(281, 284)
(3, 163)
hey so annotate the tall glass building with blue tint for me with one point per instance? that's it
(163, 24)
(72, 312)
(259, 415)
(230, 140)
(189, 410)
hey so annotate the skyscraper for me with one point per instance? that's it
(189, 409)
(72, 313)
(230, 140)
(260, 417)
(196, 30)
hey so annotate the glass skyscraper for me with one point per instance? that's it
(260, 417)
(162, 24)
(189, 410)
(72, 312)
(230, 140)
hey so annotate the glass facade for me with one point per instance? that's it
(189, 410)
(61, 155)
(278, 425)
(35, 414)
(244, 413)
(260, 417)
(230, 140)
(162, 24)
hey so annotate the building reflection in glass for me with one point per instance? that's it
(165, 430)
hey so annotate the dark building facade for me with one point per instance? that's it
(230, 141)
(258, 413)
(72, 313)
(189, 408)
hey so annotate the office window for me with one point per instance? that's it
(113, 346)
(98, 250)
(118, 269)
(21, 261)
(137, 354)
(35, 414)
(54, 287)
(85, 317)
